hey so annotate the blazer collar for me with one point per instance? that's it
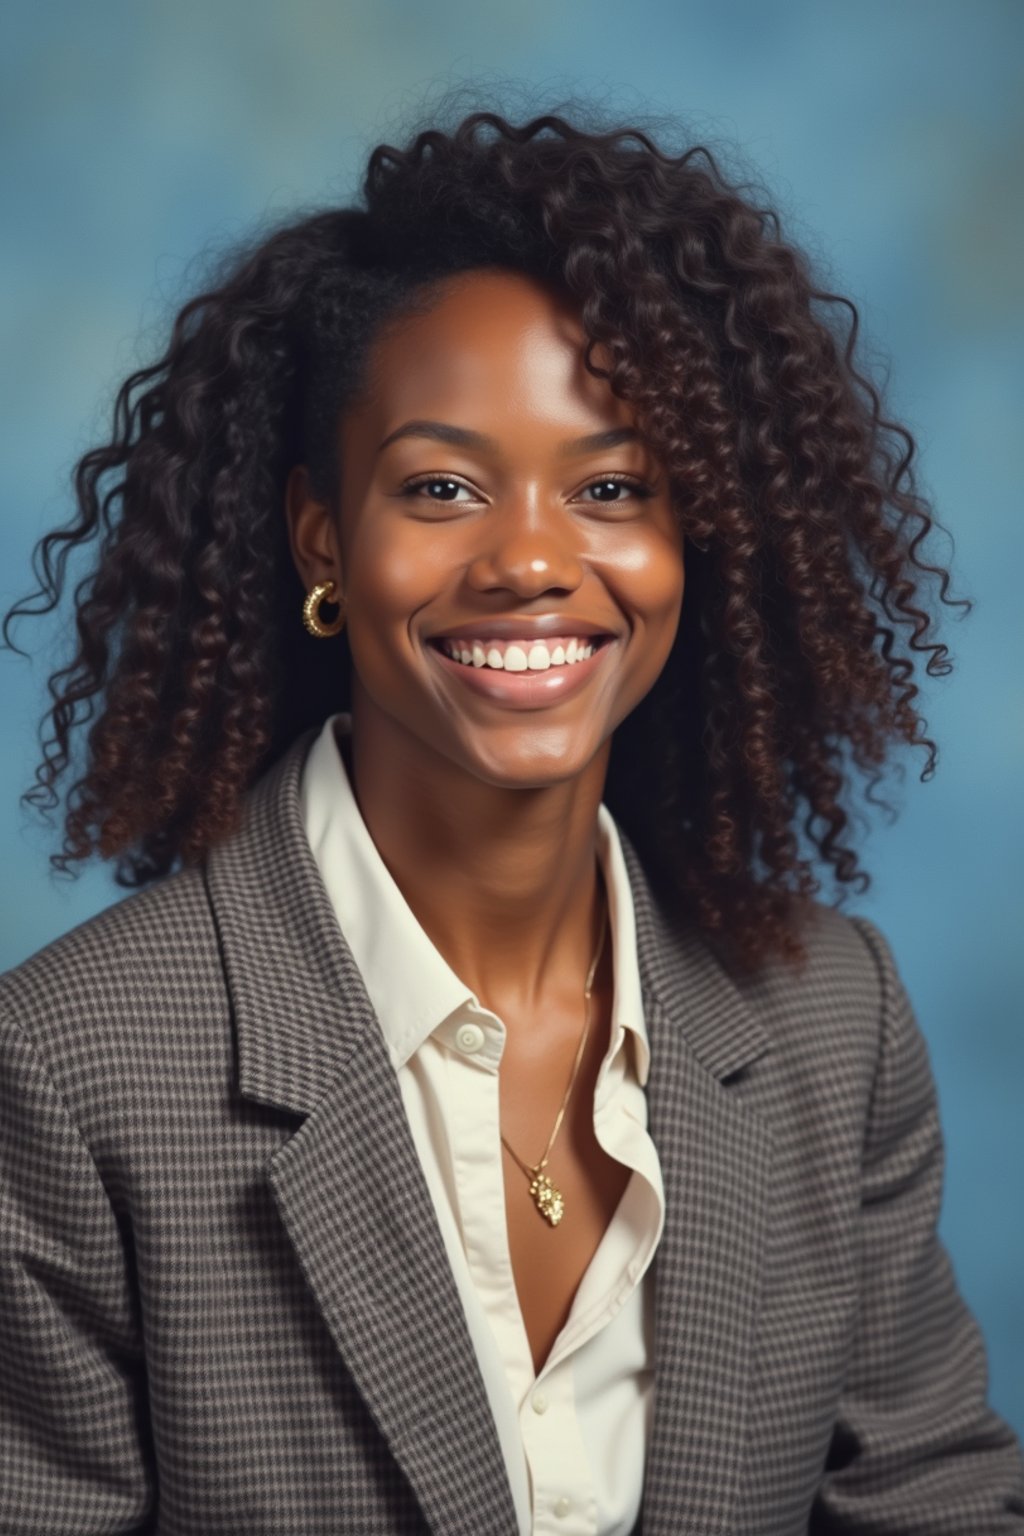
(419, 997)
(308, 1041)
(289, 969)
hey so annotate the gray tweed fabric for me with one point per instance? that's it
(225, 1304)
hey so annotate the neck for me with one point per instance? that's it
(504, 881)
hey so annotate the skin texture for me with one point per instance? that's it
(808, 616)
(486, 815)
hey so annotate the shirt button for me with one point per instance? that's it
(563, 1507)
(540, 1402)
(469, 1038)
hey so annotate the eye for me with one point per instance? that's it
(444, 484)
(609, 487)
(444, 489)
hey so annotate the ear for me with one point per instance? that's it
(312, 533)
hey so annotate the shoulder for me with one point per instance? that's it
(128, 986)
(848, 964)
(849, 1065)
(818, 1016)
(830, 1019)
(133, 950)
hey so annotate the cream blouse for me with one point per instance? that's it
(574, 1436)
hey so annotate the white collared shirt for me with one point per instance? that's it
(573, 1437)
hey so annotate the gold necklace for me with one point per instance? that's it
(548, 1199)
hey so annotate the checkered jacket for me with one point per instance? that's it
(225, 1303)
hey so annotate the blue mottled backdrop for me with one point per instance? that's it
(136, 138)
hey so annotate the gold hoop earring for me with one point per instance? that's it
(311, 611)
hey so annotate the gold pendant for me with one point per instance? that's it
(547, 1198)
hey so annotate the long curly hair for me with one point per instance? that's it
(192, 663)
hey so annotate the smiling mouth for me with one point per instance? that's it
(533, 681)
(521, 656)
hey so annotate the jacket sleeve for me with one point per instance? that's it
(72, 1376)
(916, 1448)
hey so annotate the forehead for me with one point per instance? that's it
(487, 342)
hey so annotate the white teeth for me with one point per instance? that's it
(533, 657)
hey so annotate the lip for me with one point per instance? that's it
(524, 690)
(534, 628)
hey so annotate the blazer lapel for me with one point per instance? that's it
(348, 1183)
(352, 1197)
(715, 1156)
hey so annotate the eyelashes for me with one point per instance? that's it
(639, 488)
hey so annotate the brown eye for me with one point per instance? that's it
(609, 488)
(448, 489)
(441, 490)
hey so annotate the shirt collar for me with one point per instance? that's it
(414, 998)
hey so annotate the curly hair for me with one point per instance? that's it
(797, 493)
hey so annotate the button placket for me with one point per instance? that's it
(556, 1454)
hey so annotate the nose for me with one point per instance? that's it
(527, 550)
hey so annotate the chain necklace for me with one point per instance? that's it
(548, 1199)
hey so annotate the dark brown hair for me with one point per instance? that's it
(786, 673)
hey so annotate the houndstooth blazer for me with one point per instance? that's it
(225, 1303)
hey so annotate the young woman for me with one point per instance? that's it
(477, 1124)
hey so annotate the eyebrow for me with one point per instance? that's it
(465, 437)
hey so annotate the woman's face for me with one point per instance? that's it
(491, 486)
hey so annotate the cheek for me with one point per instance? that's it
(648, 579)
(388, 581)
(389, 577)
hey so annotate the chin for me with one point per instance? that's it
(525, 765)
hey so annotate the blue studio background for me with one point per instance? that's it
(891, 138)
